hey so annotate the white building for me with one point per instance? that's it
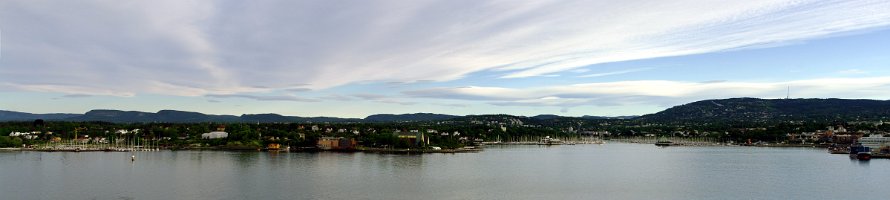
(15, 134)
(875, 141)
(26, 135)
(215, 135)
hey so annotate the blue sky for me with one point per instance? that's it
(353, 59)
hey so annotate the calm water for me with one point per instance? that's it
(612, 171)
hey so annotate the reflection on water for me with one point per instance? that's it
(613, 171)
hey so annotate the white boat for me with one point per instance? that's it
(549, 141)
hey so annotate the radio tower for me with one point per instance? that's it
(788, 94)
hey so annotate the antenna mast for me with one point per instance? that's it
(788, 95)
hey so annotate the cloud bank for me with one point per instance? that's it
(660, 92)
(198, 48)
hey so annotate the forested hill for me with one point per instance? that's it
(735, 110)
(408, 117)
(764, 110)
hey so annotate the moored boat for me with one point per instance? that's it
(863, 156)
(549, 141)
(857, 151)
(663, 142)
(835, 149)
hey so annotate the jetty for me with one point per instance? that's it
(536, 140)
(674, 141)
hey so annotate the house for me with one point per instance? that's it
(273, 146)
(16, 134)
(215, 135)
(336, 143)
(414, 138)
(843, 138)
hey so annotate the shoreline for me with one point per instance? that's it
(294, 150)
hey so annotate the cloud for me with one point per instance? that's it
(337, 97)
(614, 73)
(456, 105)
(264, 98)
(852, 71)
(298, 89)
(659, 92)
(714, 81)
(76, 95)
(383, 99)
(196, 48)
(67, 89)
(392, 101)
(370, 96)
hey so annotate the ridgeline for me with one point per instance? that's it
(753, 110)
(735, 110)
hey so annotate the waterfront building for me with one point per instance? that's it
(336, 143)
(415, 138)
(215, 135)
(875, 141)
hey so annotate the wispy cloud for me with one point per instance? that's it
(383, 99)
(456, 105)
(659, 92)
(76, 95)
(264, 97)
(852, 71)
(614, 72)
(231, 47)
(370, 96)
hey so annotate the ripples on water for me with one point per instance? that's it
(612, 171)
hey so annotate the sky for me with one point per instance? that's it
(357, 58)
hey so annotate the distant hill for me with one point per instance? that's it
(759, 110)
(270, 118)
(551, 117)
(615, 117)
(408, 117)
(719, 110)
(546, 117)
(21, 116)
(174, 116)
(171, 116)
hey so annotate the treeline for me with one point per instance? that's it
(257, 135)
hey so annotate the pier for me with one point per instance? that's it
(675, 141)
(534, 140)
(77, 146)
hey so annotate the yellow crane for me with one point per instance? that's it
(76, 130)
